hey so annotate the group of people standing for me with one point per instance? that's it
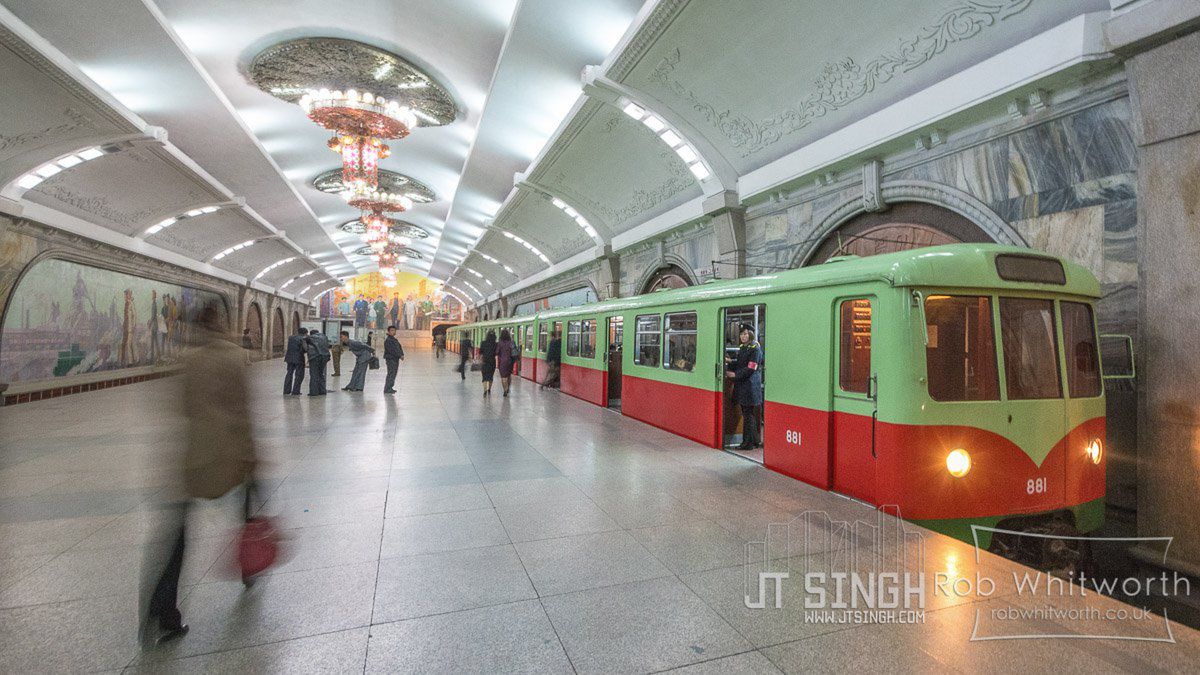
(504, 355)
(312, 349)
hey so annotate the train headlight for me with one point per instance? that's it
(1095, 450)
(958, 463)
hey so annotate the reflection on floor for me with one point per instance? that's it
(755, 455)
(436, 530)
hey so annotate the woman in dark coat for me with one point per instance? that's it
(487, 361)
(505, 359)
(746, 373)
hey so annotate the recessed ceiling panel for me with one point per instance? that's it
(540, 223)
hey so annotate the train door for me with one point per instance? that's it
(616, 342)
(855, 406)
(732, 424)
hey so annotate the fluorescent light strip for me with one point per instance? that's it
(533, 249)
(496, 262)
(159, 227)
(574, 215)
(236, 247)
(273, 266)
(297, 278)
(35, 177)
(673, 139)
(477, 274)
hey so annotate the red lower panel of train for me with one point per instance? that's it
(685, 411)
(528, 368)
(586, 383)
(908, 465)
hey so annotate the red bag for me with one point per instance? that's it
(258, 547)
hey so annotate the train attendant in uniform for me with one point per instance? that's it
(487, 361)
(746, 373)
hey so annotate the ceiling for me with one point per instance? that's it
(531, 174)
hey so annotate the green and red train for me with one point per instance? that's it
(961, 383)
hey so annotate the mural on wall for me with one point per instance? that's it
(67, 319)
(411, 302)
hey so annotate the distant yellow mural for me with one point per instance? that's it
(411, 303)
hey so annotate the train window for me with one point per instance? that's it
(529, 338)
(542, 338)
(854, 367)
(587, 339)
(573, 338)
(681, 341)
(1079, 341)
(1032, 268)
(646, 340)
(960, 359)
(1030, 349)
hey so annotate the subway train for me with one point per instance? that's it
(960, 383)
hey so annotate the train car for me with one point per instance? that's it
(959, 383)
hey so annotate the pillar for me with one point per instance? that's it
(729, 234)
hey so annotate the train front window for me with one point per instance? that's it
(646, 340)
(960, 359)
(1030, 348)
(681, 341)
(1079, 341)
(854, 368)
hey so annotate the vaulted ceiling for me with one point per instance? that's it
(679, 101)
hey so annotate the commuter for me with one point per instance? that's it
(218, 455)
(553, 362)
(335, 354)
(505, 360)
(247, 343)
(488, 350)
(362, 357)
(318, 357)
(294, 358)
(393, 354)
(439, 346)
(516, 356)
(746, 373)
(465, 346)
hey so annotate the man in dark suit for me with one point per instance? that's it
(393, 354)
(318, 356)
(294, 358)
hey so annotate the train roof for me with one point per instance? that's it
(947, 266)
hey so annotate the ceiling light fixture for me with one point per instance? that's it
(35, 177)
(496, 262)
(672, 138)
(297, 278)
(236, 247)
(530, 247)
(580, 220)
(273, 266)
(164, 224)
(478, 275)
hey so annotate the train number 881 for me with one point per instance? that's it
(1035, 486)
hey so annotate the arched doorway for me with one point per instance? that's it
(277, 335)
(903, 226)
(254, 324)
(669, 276)
(295, 323)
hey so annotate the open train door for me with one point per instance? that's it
(731, 423)
(854, 401)
(616, 340)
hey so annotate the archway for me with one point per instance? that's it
(295, 323)
(277, 335)
(254, 324)
(903, 226)
(667, 276)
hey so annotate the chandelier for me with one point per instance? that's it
(360, 122)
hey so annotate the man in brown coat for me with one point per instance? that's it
(218, 455)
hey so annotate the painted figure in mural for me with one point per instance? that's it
(410, 312)
(343, 306)
(380, 312)
(394, 310)
(372, 316)
(426, 310)
(152, 323)
(361, 307)
(128, 326)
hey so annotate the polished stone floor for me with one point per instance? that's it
(438, 531)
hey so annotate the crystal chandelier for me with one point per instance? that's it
(361, 123)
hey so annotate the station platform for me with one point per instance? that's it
(436, 530)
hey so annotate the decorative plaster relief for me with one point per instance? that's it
(77, 121)
(843, 81)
